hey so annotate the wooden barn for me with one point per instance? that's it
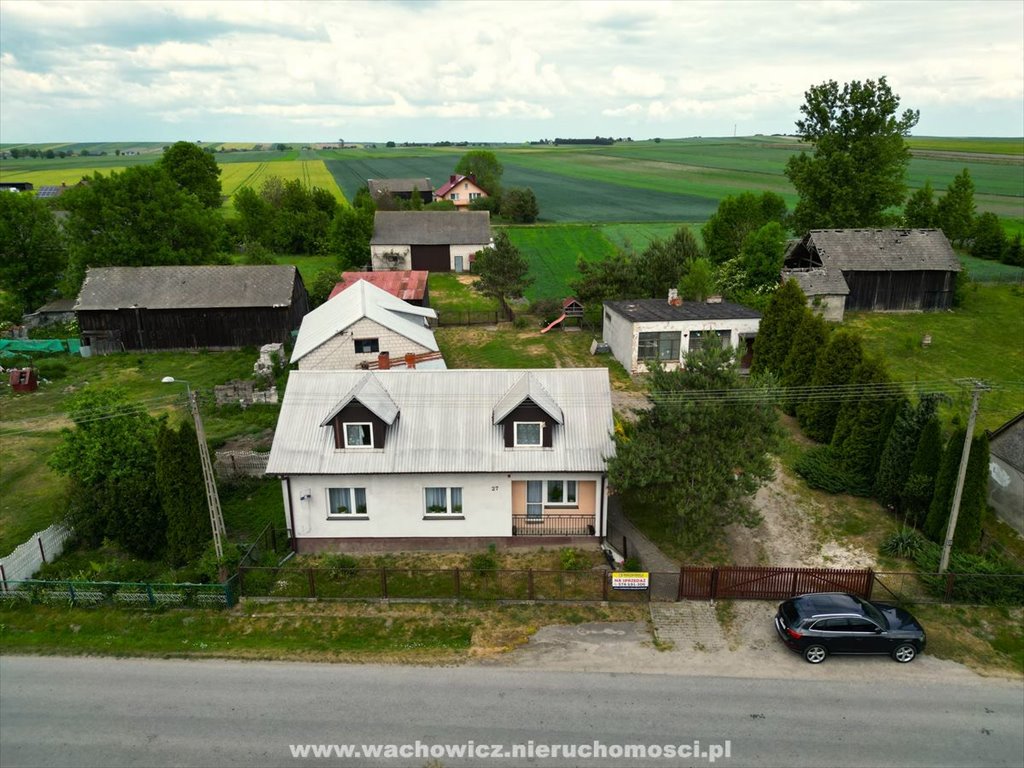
(883, 269)
(189, 307)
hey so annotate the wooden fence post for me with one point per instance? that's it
(950, 577)
(625, 548)
(792, 589)
(714, 583)
(871, 583)
(679, 590)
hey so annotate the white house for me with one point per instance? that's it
(365, 326)
(435, 241)
(1006, 472)
(384, 460)
(641, 330)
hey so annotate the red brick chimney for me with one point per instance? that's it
(410, 359)
(383, 361)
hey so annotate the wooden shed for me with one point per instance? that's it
(189, 307)
(884, 269)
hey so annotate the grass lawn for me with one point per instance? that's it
(454, 293)
(982, 339)
(508, 347)
(338, 632)
(31, 495)
(552, 252)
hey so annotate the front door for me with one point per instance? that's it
(458, 263)
(534, 499)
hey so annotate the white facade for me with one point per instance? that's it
(393, 257)
(339, 352)
(396, 505)
(623, 336)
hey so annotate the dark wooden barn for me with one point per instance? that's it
(191, 307)
(884, 269)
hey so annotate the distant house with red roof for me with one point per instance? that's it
(408, 285)
(460, 190)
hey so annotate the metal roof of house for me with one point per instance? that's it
(453, 181)
(818, 281)
(379, 187)
(431, 228)
(187, 287)
(1007, 442)
(527, 388)
(363, 299)
(882, 249)
(659, 310)
(406, 284)
(444, 424)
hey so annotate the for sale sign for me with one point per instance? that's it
(622, 580)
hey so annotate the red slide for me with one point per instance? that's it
(556, 322)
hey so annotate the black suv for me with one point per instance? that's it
(834, 622)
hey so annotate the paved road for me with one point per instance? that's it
(111, 712)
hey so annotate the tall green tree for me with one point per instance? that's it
(916, 496)
(698, 280)
(894, 464)
(860, 157)
(988, 240)
(863, 424)
(139, 217)
(194, 170)
(809, 338)
(972, 497)
(350, 235)
(611, 279)
(109, 460)
(945, 484)
(921, 212)
(32, 252)
(695, 463)
(520, 205)
(179, 481)
(835, 367)
(736, 217)
(956, 209)
(775, 333)
(663, 262)
(762, 254)
(504, 273)
(483, 165)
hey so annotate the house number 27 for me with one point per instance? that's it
(494, 487)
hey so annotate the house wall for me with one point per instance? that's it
(338, 353)
(829, 306)
(1006, 492)
(623, 337)
(396, 504)
(463, 190)
(380, 264)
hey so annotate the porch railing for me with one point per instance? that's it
(553, 525)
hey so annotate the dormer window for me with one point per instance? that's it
(358, 435)
(529, 433)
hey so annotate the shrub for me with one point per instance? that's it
(485, 561)
(820, 468)
(573, 559)
(546, 309)
(51, 369)
(338, 564)
(977, 579)
(633, 564)
(905, 543)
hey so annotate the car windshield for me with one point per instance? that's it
(873, 613)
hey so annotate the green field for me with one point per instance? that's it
(983, 340)
(312, 173)
(552, 252)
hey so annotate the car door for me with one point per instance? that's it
(863, 636)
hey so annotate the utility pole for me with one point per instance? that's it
(209, 480)
(947, 545)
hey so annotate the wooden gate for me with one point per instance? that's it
(768, 583)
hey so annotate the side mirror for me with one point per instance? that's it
(878, 630)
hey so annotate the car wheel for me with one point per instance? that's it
(904, 653)
(815, 654)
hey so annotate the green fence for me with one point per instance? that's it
(137, 594)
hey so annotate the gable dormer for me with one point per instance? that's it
(527, 414)
(361, 419)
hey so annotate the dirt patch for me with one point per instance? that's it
(467, 279)
(791, 533)
(258, 441)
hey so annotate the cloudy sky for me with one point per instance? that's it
(491, 71)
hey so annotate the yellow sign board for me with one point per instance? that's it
(636, 580)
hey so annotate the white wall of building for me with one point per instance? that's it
(380, 264)
(338, 353)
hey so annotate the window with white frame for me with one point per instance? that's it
(699, 338)
(529, 433)
(358, 435)
(474, 195)
(442, 501)
(346, 502)
(455, 196)
(561, 492)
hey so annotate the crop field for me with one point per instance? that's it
(552, 252)
(992, 146)
(311, 173)
(636, 237)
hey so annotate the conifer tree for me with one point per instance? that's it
(900, 447)
(945, 483)
(916, 496)
(862, 424)
(834, 368)
(179, 480)
(809, 339)
(775, 333)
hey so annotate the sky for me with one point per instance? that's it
(297, 71)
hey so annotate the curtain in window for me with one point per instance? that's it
(437, 500)
(339, 500)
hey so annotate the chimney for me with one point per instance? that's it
(673, 298)
(452, 178)
(383, 361)
(410, 359)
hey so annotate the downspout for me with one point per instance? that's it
(604, 509)
(291, 511)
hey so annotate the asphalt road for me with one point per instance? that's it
(116, 712)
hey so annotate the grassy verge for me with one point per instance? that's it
(298, 631)
(988, 639)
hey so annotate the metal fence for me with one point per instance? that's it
(467, 317)
(230, 464)
(86, 593)
(29, 556)
(961, 588)
(270, 540)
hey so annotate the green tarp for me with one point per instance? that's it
(11, 347)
